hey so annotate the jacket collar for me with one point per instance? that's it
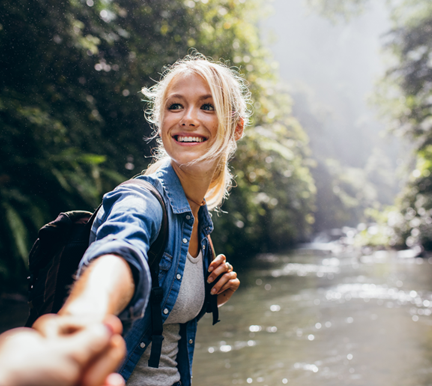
(177, 198)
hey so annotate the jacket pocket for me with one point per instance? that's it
(164, 266)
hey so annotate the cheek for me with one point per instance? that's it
(212, 124)
(163, 129)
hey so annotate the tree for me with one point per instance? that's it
(73, 126)
(405, 97)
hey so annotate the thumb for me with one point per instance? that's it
(106, 364)
(84, 345)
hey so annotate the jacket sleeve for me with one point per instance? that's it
(127, 224)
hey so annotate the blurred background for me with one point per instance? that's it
(330, 221)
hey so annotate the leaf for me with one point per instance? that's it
(18, 230)
(62, 180)
(92, 159)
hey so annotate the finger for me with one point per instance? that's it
(217, 262)
(226, 294)
(84, 346)
(19, 337)
(106, 363)
(232, 285)
(220, 259)
(48, 325)
(221, 269)
(114, 379)
(114, 324)
(222, 281)
(42, 322)
(52, 325)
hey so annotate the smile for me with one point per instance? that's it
(189, 139)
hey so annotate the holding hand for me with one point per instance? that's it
(84, 357)
(227, 283)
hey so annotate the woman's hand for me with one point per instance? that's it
(227, 283)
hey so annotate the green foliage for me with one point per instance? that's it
(73, 126)
(271, 207)
(343, 192)
(405, 97)
(381, 232)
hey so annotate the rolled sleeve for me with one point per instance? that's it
(127, 224)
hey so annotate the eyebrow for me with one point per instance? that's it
(207, 96)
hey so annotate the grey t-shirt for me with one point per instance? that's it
(189, 303)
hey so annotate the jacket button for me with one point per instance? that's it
(185, 240)
(203, 246)
(142, 344)
(190, 341)
(187, 217)
(165, 311)
(178, 276)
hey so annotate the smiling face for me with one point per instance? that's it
(190, 123)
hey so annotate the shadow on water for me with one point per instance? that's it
(309, 317)
(312, 317)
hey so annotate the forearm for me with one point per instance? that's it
(106, 287)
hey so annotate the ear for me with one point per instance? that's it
(238, 132)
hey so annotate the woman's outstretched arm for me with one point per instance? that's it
(105, 288)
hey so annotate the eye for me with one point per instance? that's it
(208, 107)
(175, 106)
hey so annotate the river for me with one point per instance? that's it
(310, 317)
(313, 318)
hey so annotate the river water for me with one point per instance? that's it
(310, 317)
(313, 318)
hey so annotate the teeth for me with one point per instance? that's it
(190, 139)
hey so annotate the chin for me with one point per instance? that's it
(189, 163)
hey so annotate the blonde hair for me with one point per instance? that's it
(230, 96)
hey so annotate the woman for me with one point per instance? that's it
(199, 112)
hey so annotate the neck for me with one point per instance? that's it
(190, 199)
(195, 181)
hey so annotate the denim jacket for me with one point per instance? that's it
(127, 224)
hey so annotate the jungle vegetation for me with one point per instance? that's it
(404, 97)
(72, 122)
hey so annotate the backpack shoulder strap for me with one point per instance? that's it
(213, 299)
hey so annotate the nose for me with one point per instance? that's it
(190, 118)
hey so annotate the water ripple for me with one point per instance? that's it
(306, 269)
(394, 296)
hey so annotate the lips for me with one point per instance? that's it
(189, 139)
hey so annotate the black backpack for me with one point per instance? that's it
(54, 259)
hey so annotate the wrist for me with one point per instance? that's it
(105, 288)
(95, 309)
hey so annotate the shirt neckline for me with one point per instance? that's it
(195, 260)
